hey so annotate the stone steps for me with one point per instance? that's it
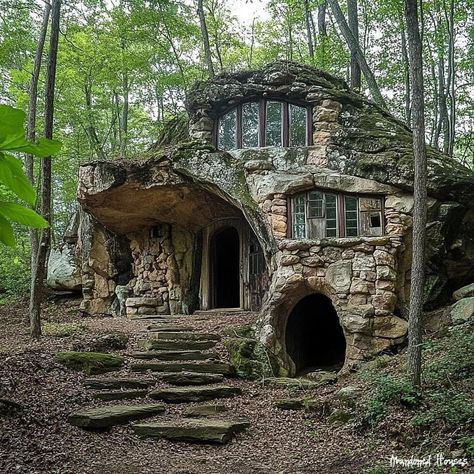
(209, 430)
(118, 383)
(200, 367)
(194, 394)
(176, 345)
(188, 336)
(190, 378)
(108, 395)
(173, 355)
(167, 328)
(204, 411)
(105, 417)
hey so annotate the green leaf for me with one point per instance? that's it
(6, 232)
(11, 125)
(12, 175)
(42, 148)
(22, 215)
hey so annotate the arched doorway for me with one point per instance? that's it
(225, 268)
(314, 338)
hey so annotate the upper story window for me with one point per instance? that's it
(317, 214)
(264, 123)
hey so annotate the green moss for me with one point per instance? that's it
(61, 329)
(250, 359)
(90, 363)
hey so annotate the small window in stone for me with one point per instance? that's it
(299, 217)
(297, 125)
(351, 217)
(331, 215)
(315, 204)
(370, 217)
(250, 125)
(274, 124)
(227, 133)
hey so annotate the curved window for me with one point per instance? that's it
(264, 123)
(317, 214)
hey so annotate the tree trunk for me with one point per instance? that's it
(31, 124)
(451, 80)
(420, 193)
(205, 38)
(354, 47)
(309, 34)
(90, 129)
(406, 66)
(39, 271)
(353, 21)
(322, 30)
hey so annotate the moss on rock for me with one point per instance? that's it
(90, 362)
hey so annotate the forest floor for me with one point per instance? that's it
(37, 438)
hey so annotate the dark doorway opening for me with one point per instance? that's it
(314, 338)
(225, 268)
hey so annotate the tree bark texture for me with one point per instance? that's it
(205, 38)
(353, 21)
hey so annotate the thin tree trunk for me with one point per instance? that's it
(420, 193)
(39, 272)
(124, 121)
(252, 44)
(205, 38)
(322, 30)
(354, 47)
(406, 66)
(451, 80)
(31, 125)
(90, 129)
(353, 22)
(309, 34)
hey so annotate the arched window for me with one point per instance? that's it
(265, 123)
(317, 214)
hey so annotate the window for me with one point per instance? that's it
(264, 123)
(317, 214)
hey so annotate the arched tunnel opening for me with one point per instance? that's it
(314, 338)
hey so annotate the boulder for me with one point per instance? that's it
(90, 362)
(462, 311)
(464, 292)
(105, 417)
(112, 341)
(390, 327)
(339, 275)
(64, 272)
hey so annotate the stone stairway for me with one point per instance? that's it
(174, 365)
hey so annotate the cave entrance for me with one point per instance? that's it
(314, 338)
(225, 268)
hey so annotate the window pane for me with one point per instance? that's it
(250, 125)
(315, 204)
(297, 125)
(299, 220)
(331, 215)
(352, 224)
(227, 133)
(273, 136)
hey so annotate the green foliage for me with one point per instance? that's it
(12, 177)
(15, 268)
(61, 329)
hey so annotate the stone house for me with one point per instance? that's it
(291, 196)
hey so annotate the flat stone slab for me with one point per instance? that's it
(186, 345)
(112, 383)
(189, 336)
(174, 355)
(204, 431)
(158, 317)
(194, 394)
(167, 328)
(90, 363)
(200, 367)
(191, 378)
(292, 383)
(120, 394)
(204, 411)
(104, 417)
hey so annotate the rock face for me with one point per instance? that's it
(63, 272)
(149, 233)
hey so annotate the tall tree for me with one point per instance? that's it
(205, 38)
(31, 120)
(309, 32)
(415, 51)
(39, 270)
(353, 21)
(356, 50)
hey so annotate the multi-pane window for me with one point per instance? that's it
(317, 214)
(264, 123)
